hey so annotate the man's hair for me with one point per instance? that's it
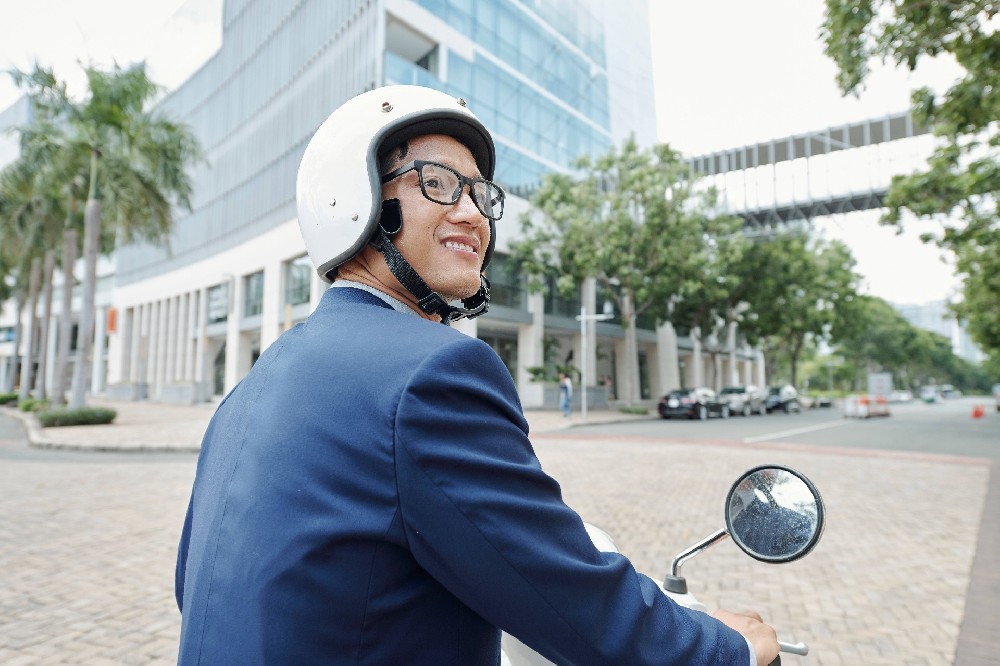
(390, 156)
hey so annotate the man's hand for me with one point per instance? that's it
(761, 636)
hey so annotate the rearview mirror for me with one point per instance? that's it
(774, 514)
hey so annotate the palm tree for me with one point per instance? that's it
(135, 168)
(27, 216)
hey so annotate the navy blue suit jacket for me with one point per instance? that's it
(368, 495)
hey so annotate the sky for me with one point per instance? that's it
(726, 73)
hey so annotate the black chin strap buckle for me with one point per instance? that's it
(432, 303)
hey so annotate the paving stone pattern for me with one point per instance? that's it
(87, 543)
(885, 585)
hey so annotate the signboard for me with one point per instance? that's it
(879, 384)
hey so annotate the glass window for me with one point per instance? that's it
(506, 285)
(557, 304)
(218, 303)
(298, 280)
(253, 294)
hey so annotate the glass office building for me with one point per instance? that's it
(552, 79)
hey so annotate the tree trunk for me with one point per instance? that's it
(85, 333)
(15, 357)
(28, 359)
(65, 318)
(796, 350)
(630, 394)
(41, 389)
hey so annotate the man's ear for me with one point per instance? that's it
(391, 219)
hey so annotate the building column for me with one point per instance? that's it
(135, 346)
(235, 345)
(734, 375)
(191, 339)
(468, 326)
(270, 315)
(50, 367)
(98, 378)
(162, 346)
(201, 344)
(529, 353)
(668, 362)
(173, 305)
(697, 361)
(181, 347)
(761, 374)
(317, 287)
(120, 348)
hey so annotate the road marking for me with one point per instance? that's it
(795, 431)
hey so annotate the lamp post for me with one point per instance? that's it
(583, 318)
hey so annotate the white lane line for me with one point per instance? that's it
(796, 431)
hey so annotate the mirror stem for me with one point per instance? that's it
(684, 556)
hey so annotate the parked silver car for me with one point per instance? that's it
(745, 400)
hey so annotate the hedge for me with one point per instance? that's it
(7, 397)
(81, 416)
(33, 405)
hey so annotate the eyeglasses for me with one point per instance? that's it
(444, 185)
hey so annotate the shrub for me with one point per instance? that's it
(636, 409)
(7, 397)
(33, 405)
(81, 416)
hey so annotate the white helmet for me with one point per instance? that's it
(339, 191)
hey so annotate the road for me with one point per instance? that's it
(943, 428)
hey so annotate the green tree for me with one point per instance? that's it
(717, 297)
(798, 289)
(135, 168)
(880, 339)
(29, 223)
(963, 174)
(630, 219)
(58, 172)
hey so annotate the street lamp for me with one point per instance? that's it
(583, 318)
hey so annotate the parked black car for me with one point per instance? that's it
(745, 400)
(696, 403)
(782, 399)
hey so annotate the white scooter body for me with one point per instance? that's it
(778, 487)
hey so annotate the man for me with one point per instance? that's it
(368, 493)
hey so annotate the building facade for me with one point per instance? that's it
(552, 79)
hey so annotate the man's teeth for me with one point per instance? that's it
(458, 246)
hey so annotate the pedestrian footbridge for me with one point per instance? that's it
(839, 169)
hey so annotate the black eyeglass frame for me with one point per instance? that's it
(463, 181)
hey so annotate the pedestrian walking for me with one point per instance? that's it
(565, 394)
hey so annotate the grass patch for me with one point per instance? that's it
(6, 398)
(82, 416)
(633, 409)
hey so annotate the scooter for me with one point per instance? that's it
(772, 512)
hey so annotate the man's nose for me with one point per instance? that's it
(466, 209)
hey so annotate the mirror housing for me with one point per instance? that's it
(774, 514)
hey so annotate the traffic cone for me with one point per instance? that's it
(978, 411)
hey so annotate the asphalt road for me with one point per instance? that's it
(943, 428)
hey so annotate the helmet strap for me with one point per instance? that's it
(429, 301)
